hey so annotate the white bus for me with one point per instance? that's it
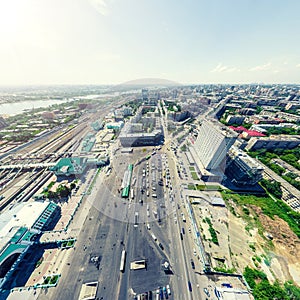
(136, 216)
(122, 264)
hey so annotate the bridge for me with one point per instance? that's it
(27, 166)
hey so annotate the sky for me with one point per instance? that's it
(113, 41)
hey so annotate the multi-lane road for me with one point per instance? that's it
(113, 224)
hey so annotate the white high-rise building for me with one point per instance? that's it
(212, 144)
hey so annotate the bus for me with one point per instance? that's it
(136, 216)
(125, 192)
(132, 193)
(122, 264)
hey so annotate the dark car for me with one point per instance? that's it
(181, 236)
(161, 293)
(190, 286)
(161, 246)
(182, 230)
(193, 264)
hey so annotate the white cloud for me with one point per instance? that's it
(220, 68)
(298, 66)
(101, 6)
(264, 67)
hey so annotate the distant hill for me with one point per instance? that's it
(144, 82)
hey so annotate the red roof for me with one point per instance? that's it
(250, 132)
(254, 133)
(239, 128)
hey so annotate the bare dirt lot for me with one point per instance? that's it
(256, 241)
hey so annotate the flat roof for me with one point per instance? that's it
(88, 291)
(234, 294)
(22, 215)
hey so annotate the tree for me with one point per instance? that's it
(265, 291)
(272, 187)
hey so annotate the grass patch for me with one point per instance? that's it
(68, 244)
(194, 176)
(200, 187)
(269, 207)
(262, 289)
(50, 185)
(183, 148)
(224, 270)
(51, 279)
(213, 234)
(192, 168)
(54, 279)
(213, 188)
(191, 187)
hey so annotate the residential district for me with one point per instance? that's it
(175, 192)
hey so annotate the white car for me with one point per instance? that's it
(168, 289)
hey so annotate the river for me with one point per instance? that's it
(15, 108)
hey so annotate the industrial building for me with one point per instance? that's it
(19, 228)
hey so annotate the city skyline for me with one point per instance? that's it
(113, 41)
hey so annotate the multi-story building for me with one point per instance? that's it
(142, 130)
(141, 139)
(242, 169)
(235, 119)
(273, 142)
(210, 148)
(292, 105)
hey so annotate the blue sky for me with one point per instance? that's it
(112, 41)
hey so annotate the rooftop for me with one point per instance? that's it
(22, 215)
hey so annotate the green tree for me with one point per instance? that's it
(272, 187)
(265, 291)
